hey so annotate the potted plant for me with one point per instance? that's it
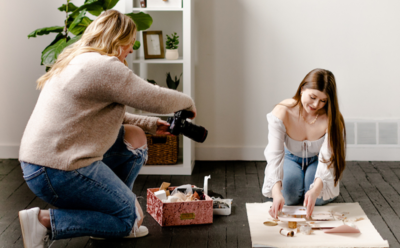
(173, 84)
(172, 47)
(76, 23)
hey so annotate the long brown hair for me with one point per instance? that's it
(105, 35)
(324, 81)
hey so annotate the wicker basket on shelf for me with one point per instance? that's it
(163, 149)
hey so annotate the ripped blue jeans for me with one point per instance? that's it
(96, 200)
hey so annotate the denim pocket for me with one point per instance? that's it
(37, 180)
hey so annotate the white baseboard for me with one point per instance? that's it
(354, 153)
(9, 151)
(359, 153)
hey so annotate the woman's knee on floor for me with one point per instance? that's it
(135, 136)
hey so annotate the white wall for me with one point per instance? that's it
(253, 54)
(250, 55)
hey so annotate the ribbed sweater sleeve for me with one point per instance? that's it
(119, 84)
(147, 123)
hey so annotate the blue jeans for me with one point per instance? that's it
(296, 181)
(96, 200)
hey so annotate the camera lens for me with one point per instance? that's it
(196, 133)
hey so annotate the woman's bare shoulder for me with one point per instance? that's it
(283, 109)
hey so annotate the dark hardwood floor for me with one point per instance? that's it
(375, 185)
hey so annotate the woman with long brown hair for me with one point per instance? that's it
(306, 146)
(81, 151)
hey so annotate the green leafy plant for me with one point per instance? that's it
(173, 84)
(76, 23)
(172, 41)
(151, 81)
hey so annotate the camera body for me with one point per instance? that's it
(179, 124)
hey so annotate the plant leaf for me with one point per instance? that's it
(71, 7)
(50, 53)
(73, 40)
(136, 46)
(143, 21)
(171, 83)
(77, 20)
(109, 4)
(48, 30)
(81, 27)
(95, 6)
(151, 81)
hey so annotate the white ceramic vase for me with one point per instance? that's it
(172, 54)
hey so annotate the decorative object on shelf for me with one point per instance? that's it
(164, 3)
(143, 3)
(76, 23)
(151, 81)
(163, 149)
(173, 84)
(172, 47)
(153, 45)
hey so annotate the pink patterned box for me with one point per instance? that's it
(179, 213)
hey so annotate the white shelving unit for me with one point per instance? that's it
(181, 22)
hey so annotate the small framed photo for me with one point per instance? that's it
(153, 45)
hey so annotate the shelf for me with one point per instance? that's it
(158, 61)
(157, 9)
(175, 169)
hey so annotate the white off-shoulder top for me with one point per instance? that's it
(275, 153)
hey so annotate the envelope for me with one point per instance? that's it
(343, 229)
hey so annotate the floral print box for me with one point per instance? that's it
(179, 213)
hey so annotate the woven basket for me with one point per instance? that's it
(163, 149)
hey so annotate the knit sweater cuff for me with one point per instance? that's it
(148, 124)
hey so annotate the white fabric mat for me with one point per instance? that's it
(268, 236)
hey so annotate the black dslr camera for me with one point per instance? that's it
(178, 125)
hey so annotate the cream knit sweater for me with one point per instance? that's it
(79, 111)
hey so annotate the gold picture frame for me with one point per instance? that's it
(153, 45)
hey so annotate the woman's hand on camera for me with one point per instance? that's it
(194, 111)
(162, 127)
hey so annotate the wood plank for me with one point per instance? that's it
(344, 193)
(260, 172)
(6, 166)
(12, 236)
(217, 237)
(392, 197)
(388, 174)
(251, 167)
(354, 182)
(393, 164)
(12, 182)
(21, 198)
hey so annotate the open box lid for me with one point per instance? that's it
(205, 186)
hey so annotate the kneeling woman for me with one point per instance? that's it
(306, 146)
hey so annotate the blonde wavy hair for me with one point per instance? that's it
(105, 35)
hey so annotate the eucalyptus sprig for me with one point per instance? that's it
(76, 23)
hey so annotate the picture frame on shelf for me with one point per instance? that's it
(143, 3)
(153, 45)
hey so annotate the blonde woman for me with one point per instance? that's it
(81, 151)
(306, 146)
